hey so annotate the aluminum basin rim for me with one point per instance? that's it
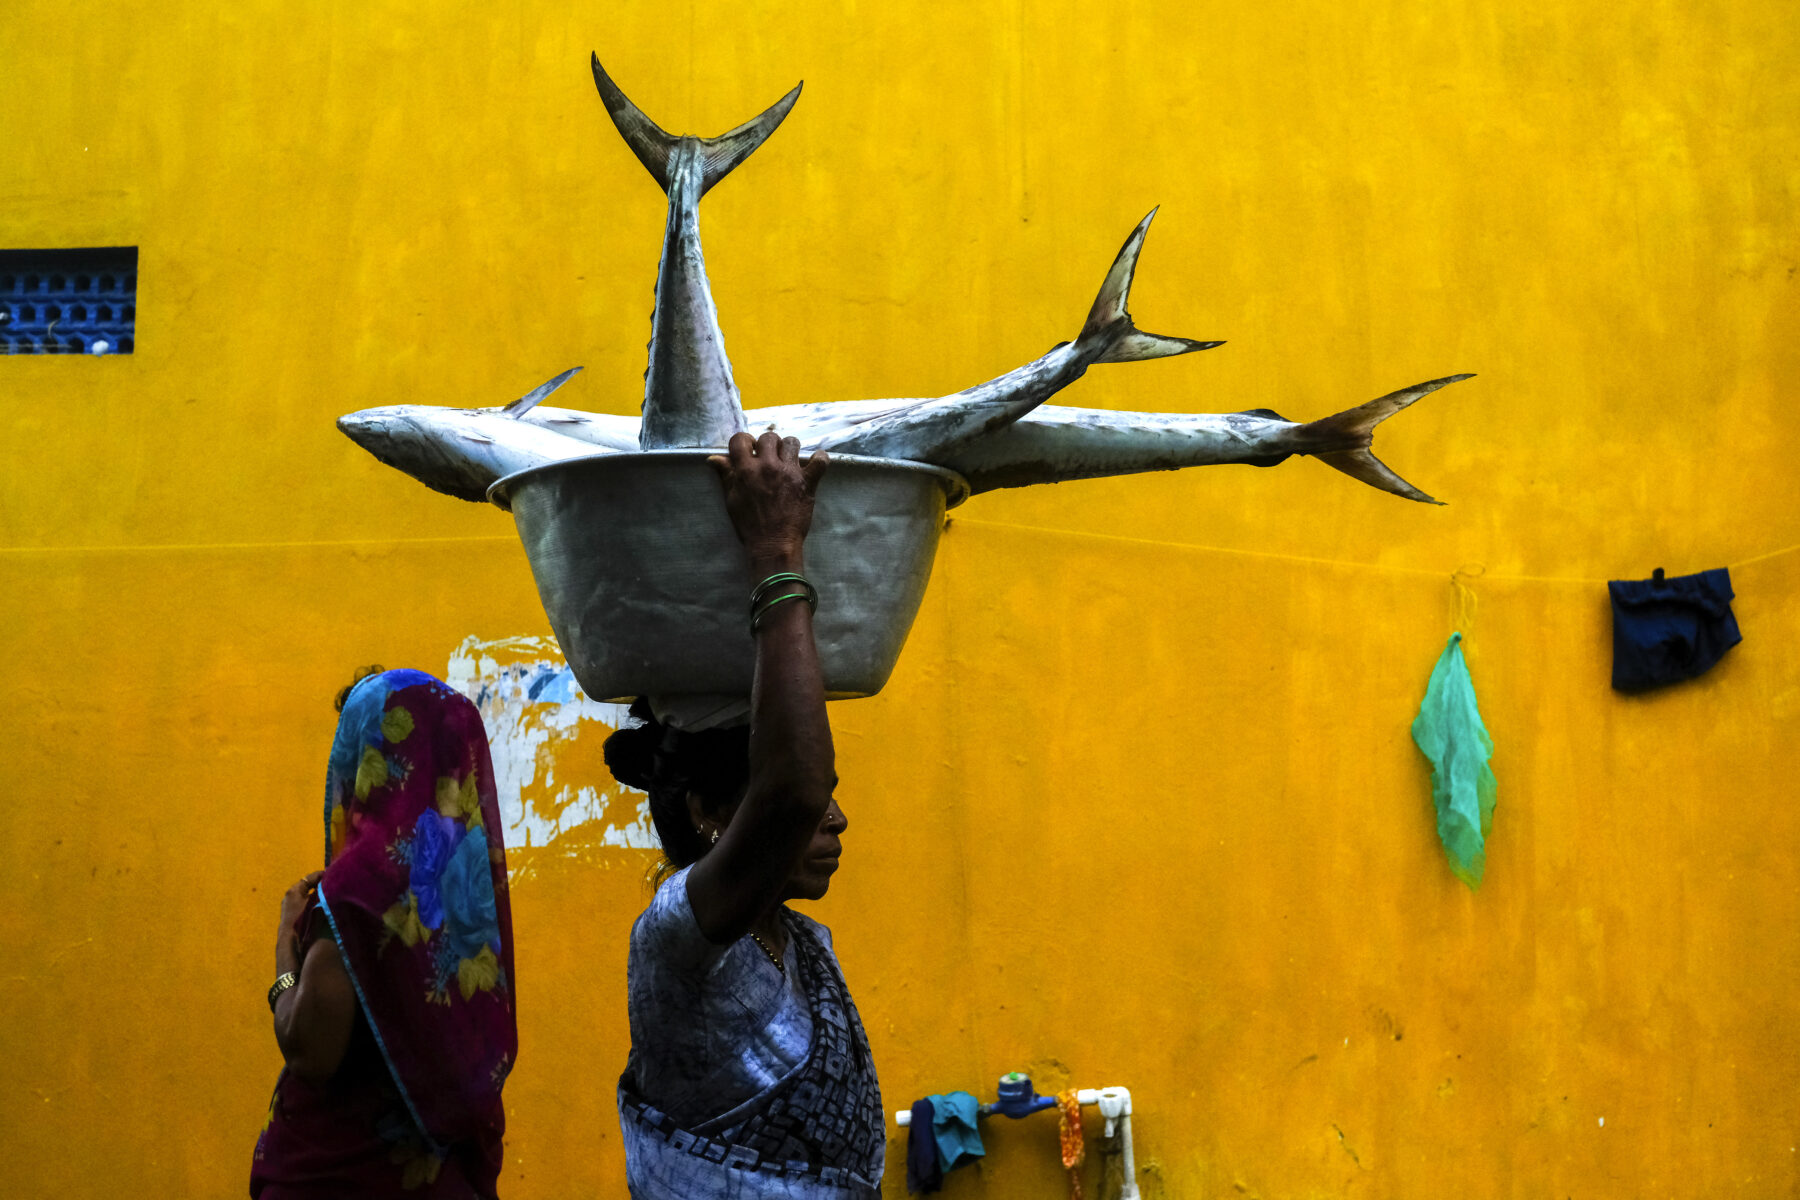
(956, 488)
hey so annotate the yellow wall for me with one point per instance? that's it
(1140, 804)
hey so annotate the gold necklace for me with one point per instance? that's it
(764, 947)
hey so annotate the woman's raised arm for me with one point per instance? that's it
(769, 494)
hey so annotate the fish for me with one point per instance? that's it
(997, 434)
(1064, 444)
(1059, 444)
(690, 397)
(462, 451)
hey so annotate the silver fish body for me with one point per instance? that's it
(457, 451)
(1056, 444)
(690, 398)
(603, 430)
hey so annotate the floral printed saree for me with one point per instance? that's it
(415, 895)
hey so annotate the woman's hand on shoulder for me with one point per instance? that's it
(293, 903)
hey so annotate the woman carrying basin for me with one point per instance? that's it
(749, 1073)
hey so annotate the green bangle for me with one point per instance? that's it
(761, 591)
(757, 620)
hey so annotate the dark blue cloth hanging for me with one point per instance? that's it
(1667, 630)
(922, 1171)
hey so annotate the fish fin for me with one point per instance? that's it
(1352, 430)
(654, 145)
(726, 151)
(530, 400)
(1136, 346)
(1108, 320)
(1361, 464)
(648, 140)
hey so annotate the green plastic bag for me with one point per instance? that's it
(1449, 731)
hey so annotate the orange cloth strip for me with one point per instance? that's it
(1068, 1132)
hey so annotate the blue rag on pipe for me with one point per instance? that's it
(953, 1125)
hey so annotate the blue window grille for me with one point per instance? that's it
(68, 301)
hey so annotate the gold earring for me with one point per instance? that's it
(715, 838)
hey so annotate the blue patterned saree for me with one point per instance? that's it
(814, 1134)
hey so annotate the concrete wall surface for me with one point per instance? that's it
(1140, 805)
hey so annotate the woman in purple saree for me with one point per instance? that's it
(394, 1001)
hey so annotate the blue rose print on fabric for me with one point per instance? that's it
(433, 841)
(466, 892)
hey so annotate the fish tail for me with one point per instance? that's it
(1109, 324)
(1343, 439)
(655, 147)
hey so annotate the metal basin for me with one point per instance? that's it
(648, 588)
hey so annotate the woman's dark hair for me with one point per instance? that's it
(361, 674)
(668, 763)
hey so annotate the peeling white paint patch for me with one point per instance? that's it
(531, 704)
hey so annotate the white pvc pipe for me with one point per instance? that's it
(1115, 1104)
